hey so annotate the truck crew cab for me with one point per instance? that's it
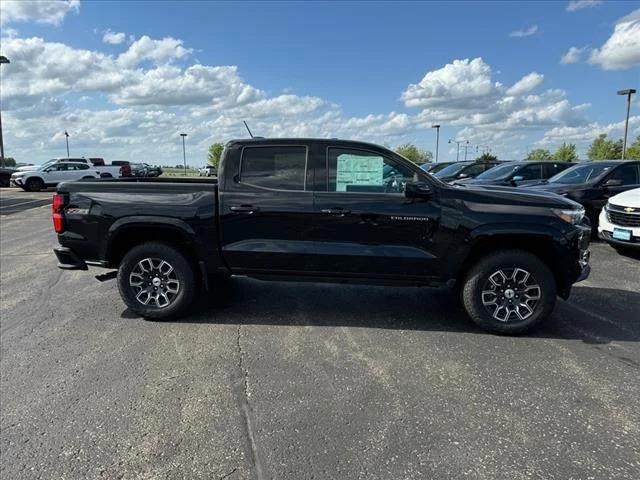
(325, 210)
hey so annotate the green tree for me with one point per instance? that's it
(486, 157)
(414, 153)
(566, 153)
(9, 162)
(633, 150)
(214, 154)
(604, 149)
(539, 154)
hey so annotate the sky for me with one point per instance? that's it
(124, 79)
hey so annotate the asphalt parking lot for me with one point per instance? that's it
(307, 381)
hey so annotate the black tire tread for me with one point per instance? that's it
(476, 277)
(181, 265)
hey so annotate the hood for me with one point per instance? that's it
(508, 196)
(28, 168)
(630, 198)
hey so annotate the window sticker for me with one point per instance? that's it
(358, 170)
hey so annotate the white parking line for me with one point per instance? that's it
(22, 203)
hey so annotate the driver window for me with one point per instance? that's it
(360, 171)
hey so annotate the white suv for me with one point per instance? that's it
(52, 174)
(619, 222)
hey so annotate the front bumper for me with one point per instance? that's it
(605, 232)
(17, 182)
(68, 259)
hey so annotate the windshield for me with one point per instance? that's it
(433, 168)
(451, 170)
(580, 174)
(49, 162)
(498, 172)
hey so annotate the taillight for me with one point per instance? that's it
(57, 205)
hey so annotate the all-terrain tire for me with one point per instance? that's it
(479, 288)
(181, 279)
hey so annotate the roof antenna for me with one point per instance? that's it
(247, 127)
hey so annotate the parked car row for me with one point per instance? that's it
(49, 174)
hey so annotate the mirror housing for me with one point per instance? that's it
(417, 190)
(462, 175)
(517, 178)
(613, 182)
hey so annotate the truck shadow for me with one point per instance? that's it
(593, 315)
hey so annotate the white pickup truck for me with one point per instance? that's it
(50, 175)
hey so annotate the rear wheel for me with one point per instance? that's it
(509, 292)
(156, 281)
(34, 185)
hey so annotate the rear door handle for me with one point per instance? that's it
(243, 209)
(336, 211)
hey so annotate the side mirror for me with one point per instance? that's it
(517, 178)
(417, 190)
(613, 182)
(463, 175)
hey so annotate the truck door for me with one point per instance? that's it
(266, 208)
(363, 223)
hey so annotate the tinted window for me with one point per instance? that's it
(360, 171)
(280, 168)
(500, 171)
(627, 173)
(474, 170)
(451, 170)
(530, 172)
(580, 173)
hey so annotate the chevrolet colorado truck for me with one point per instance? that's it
(325, 210)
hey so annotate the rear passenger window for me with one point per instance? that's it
(276, 168)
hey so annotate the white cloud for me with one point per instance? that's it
(157, 51)
(622, 49)
(113, 38)
(526, 84)
(572, 55)
(459, 82)
(525, 32)
(576, 5)
(586, 133)
(51, 11)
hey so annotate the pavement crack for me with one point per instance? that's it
(228, 474)
(242, 397)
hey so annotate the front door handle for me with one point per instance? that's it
(243, 209)
(336, 211)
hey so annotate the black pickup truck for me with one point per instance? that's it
(325, 210)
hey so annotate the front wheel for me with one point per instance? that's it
(509, 292)
(34, 185)
(156, 281)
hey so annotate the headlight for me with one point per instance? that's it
(569, 215)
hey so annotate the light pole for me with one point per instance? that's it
(66, 136)
(457, 142)
(184, 154)
(3, 59)
(628, 92)
(437, 127)
(466, 146)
